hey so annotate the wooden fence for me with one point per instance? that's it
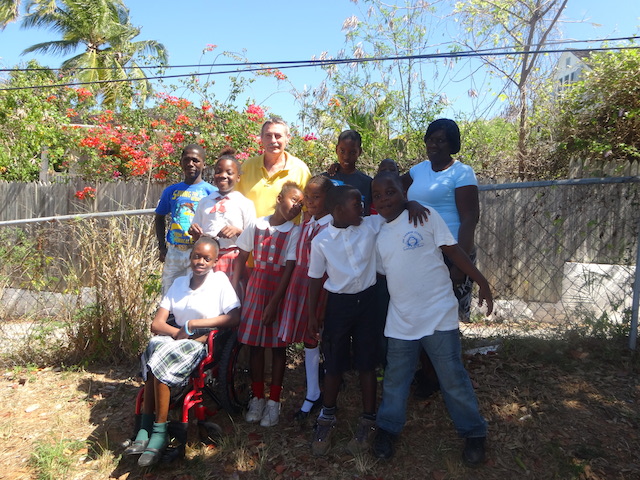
(45, 199)
(528, 232)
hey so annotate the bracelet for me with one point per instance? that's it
(186, 328)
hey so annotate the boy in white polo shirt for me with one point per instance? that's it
(423, 311)
(345, 253)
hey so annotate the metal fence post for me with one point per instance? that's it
(633, 334)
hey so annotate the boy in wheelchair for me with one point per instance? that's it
(200, 301)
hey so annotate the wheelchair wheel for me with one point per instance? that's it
(234, 378)
(210, 433)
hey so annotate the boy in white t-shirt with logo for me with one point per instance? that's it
(423, 311)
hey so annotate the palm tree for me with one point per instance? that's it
(9, 11)
(110, 53)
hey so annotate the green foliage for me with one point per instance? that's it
(9, 11)
(599, 117)
(389, 103)
(487, 145)
(123, 280)
(102, 28)
(317, 154)
(36, 120)
(24, 262)
(519, 26)
(52, 459)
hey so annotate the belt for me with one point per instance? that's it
(184, 248)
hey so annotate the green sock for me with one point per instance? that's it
(146, 426)
(159, 439)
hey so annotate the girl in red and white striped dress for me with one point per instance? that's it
(293, 326)
(273, 242)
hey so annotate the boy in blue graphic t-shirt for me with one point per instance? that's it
(180, 201)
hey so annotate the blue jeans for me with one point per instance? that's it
(444, 350)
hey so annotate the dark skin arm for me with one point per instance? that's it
(406, 181)
(195, 231)
(468, 207)
(238, 269)
(160, 227)
(270, 312)
(159, 326)
(315, 286)
(417, 213)
(462, 261)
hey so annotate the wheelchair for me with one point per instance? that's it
(223, 375)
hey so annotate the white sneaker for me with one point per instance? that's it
(271, 414)
(256, 409)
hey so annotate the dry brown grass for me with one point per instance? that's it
(555, 412)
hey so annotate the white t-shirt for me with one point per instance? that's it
(346, 255)
(437, 189)
(245, 240)
(422, 298)
(214, 297)
(214, 213)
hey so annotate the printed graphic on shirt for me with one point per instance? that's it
(412, 240)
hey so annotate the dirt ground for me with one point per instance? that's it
(554, 413)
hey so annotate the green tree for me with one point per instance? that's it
(389, 102)
(37, 120)
(9, 11)
(110, 53)
(599, 117)
(523, 26)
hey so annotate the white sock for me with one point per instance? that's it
(311, 364)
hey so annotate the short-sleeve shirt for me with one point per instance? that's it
(356, 179)
(346, 255)
(180, 200)
(245, 240)
(214, 297)
(216, 211)
(437, 189)
(421, 296)
(262, 190)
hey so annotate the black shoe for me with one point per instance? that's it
(137, 447)
(473, 453)
(383, 444)
(301, 416)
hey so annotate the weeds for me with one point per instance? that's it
(124, 284)
(52, 460)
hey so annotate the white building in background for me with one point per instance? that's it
(570, 68)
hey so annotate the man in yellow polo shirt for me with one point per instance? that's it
(263, 176)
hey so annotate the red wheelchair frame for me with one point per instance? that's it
(223, 374)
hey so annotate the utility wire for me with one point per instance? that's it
(316, 63)
(322, 62)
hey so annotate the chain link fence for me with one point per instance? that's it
(77, 288)
(560, 257)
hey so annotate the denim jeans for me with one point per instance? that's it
(444, 350)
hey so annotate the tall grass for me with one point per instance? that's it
(118, 263)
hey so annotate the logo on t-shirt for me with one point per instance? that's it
(412, 240)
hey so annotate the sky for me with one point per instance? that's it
(294, 30)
